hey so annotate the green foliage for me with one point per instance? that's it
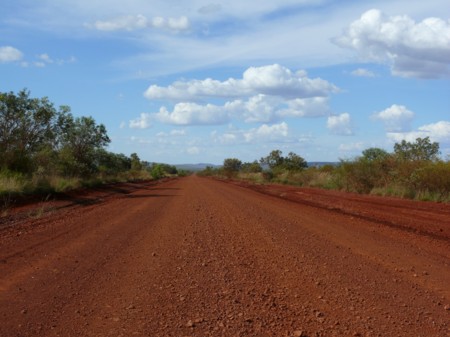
(412, 171)
(208, 172)
(169, 169)
(136, 164)
(26, 126)
(184, 173)
(253, 167)
(231, 166)
(294, 163)
(278, 164)
(421, 150)
(374, 154)
(45, 150)
(79, 141)
(434, 177)
(273, 160)
(109, 163)
(157, 171)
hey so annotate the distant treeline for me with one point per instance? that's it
(48, 149)
(413, 170)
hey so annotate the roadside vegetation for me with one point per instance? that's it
(413, 170)
(44, 150)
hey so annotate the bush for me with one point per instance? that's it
(157, 172)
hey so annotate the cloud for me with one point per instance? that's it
(264, 133)
(137, 22)
(396, 118)
(193, 114)
(263, 95)
(256, 109)
(273, 80)
(45, 58)
(10, 54)
(193, 150)
(143, 122)
(412, 49)
(178, 133)
(210, 9)
(438, 132)
(340, 124)
(351, 147)
(306, 107)
(361, 72)
(172, 133)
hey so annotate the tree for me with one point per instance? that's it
(157, 171)
(253, 167)
(274, 159)
(421, 150)
(79, 139)
(294, 162)
(169, 169)
(27, 125)
(231, 166)
(111, 163)
(136, 164)
(374, 154)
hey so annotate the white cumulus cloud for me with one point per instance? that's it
(306, 107)
(340, 124)
(361, 72)
(143, 122)
(438, 132)
(264, 133)
(351, 147)
(396, 118)
(193, 150)
(263, 95)
(256, 109)
(413, 49)
(10, 54)
(45, 58)
(273, 80)
(193, 114)
(136, 22)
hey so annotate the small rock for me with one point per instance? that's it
(24, 311)
(298, 333)
(190, 324)
(447, 307)
(131, 306)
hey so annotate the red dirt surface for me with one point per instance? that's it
(201, 257)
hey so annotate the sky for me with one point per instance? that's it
(199, 81)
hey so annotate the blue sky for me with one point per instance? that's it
(199, 81)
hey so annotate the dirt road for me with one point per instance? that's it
(200, 257)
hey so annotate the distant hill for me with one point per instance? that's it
(194, 167)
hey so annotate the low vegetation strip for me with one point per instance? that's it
(48, 150)
(413, 170)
